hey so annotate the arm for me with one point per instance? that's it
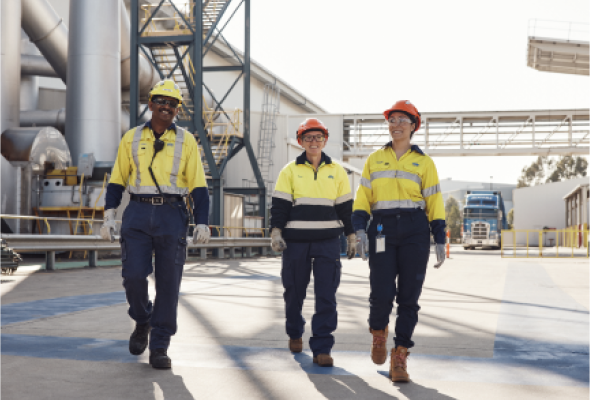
(343, 203)
(197, 184)
(435, 207)
(361, 209)
(282, 200)
(119, 176)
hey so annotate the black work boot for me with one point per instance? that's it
(159, 359)
(139, 338)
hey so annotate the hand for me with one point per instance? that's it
(277, 243)
(440, 254)
(351, 245)
(107, 230)
(201, 234)
(362, 244)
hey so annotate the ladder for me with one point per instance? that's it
(268, 128)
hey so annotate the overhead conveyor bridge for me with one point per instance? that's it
(479, 133)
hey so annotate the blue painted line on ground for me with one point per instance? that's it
(21, 312)
(548, 369)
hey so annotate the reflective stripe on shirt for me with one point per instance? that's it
(393, 204)
(396, 174)
(431, 190)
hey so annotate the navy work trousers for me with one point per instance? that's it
(299, 260)
(407, 248)
(158, 229)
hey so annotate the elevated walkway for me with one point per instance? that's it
(479, 133)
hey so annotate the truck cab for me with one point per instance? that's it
(484, 218)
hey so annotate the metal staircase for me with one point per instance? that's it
(221, 126)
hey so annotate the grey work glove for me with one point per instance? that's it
(362, 244)
(440, 254)
(277, 243)
(201, 234)
(351, 245)
(107, 230)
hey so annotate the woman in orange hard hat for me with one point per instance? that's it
(400, 188)
(311, 207)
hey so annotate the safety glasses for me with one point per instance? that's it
(165, 102)
(399, 121)
(317, 138)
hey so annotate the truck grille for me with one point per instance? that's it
(479, 230)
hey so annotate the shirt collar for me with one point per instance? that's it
(302, 159)
(413, 147)
(149, 125)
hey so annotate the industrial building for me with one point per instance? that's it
(59, 141)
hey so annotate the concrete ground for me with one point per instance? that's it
(490, 328)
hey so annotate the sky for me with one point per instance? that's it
(454, 55)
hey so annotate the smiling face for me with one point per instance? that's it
(163, 113)
(313, 148)
(400, 130)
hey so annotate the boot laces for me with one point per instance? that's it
(379, 341)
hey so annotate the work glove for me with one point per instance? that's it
(277, 243)
(351, 245)
(201, 234)
(107, 230)
(440, 254)
(362, 244)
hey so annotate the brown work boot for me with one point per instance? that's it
(379, 348)
(398, 367)
(324, 360)
(296, 345)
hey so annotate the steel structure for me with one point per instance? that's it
(175, 42)
(560, 47)
(479, 133)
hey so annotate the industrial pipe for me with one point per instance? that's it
(148, 76)
(10, 35)
(36, 65)
(53, 118)
(93, 92)
(49, 33)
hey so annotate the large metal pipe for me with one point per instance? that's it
(29, 84)
(49, 33)
(148, 76)
(57, 119)
(54, 118)
(93, 92)
(36, 65)
(10, 34)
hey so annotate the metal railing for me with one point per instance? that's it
(544, 243)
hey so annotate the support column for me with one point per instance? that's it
(50, 261)
(92, 258)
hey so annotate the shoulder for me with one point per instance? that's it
(187, 137)
(289, 167)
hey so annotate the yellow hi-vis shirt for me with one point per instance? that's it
(177, 167)
(389, 185)
(310, 204)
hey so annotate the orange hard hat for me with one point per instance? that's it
(312, 124)
(407, 107)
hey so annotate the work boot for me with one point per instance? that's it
(379, 348)
(159, 359)
(296, 345)
(398, 367)
(323, 360)
(139, 338)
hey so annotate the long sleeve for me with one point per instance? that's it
(343, 203)
(282, 200)
(435, 207)
(361, 210)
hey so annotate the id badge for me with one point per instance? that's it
(379, 244)
(379, 240)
